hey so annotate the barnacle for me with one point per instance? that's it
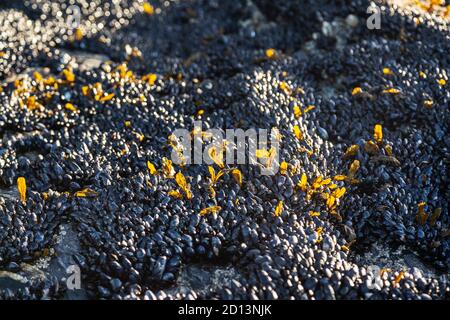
(237, 175)
(351, 151)
(213, 209)
(86, 192)
(378, 133)
(182, 183)
(151, 168)
(297, 132)
(278, 209)
(22, 187)
(371, 147)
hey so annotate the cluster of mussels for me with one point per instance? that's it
(358, 208)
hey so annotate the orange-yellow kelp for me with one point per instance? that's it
(353, 168)
(78, 34)
(151, 168)
(209, 210)
(421, 215)
(214, 179)
(356, 90)
(148, 8)
(285, 87)
(283, 167)
(398, 278)
(86, 192)
(216, 156)
(387, 71)
(378, 133)
(278, 209)
(297, 132)
(175, 194)
(237, 175)
(181, 181)
(22, 187)
(392, 91)
(150, 78)
(351, 151)
(269, 156)
(297, 112)
(271, 53)
(435, 216)
(167, 168)
(371, 147)
(303, 183)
